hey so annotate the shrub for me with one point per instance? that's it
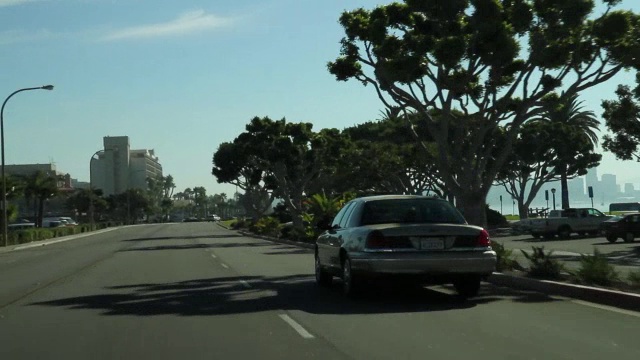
(634, 278)
(595, 269)
(239, 224)
(267, 225)
(542, 265)
(506, 260)
(495, 219)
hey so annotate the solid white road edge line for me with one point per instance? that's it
(297, 327)
(607, 308)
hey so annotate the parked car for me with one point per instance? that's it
(626, 227)
(412, 237)
(574, 220)
(213, 218)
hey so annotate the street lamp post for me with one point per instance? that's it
(553, 195)
(4, 180)
(91, 207)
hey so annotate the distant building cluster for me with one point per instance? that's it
(113, 170)
(118, 168)
(606, 190)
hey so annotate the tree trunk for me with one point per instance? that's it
(565, 189)
(473, 208)
(40, 212)
(523, 209)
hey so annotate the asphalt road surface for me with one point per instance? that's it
(198, 291)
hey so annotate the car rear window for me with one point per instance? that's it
(410, 211)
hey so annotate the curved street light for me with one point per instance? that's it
(4, 180)
(91, 207)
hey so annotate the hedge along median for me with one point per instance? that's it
(18, 237)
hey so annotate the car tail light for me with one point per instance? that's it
(483, 238)
(377, 240)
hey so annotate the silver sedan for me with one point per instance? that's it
(414, 237)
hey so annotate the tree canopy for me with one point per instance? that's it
(493, 61)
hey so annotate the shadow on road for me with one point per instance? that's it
(196, 246)
(228, 295)
(185, 237)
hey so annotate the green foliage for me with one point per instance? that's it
(321, 209)
(267, 225)
(595, 269)
(542, 265)
(622, 117)
(506, 259)
(29, 235)
(634, 278)
(495, 219)
(425, 55)
(239, 224)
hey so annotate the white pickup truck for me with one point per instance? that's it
(574, 220)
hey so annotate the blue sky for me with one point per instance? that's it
(181, 77)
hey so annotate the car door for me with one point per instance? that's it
(340, 235)
(326, 239)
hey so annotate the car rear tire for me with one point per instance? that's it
(323, 278)
(611, 238)
(564, 233)
(468, 287)
(350, 283)
(628, 237)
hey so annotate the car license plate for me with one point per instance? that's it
(431, 244)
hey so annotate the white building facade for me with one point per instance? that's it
(118, 168)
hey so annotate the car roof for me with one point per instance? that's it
(396, 197)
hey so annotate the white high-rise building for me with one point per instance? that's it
(118, 168)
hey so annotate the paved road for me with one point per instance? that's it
(197, 291)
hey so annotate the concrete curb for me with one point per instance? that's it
(55, 240)
(619, 299)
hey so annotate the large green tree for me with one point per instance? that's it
(622, 117)
(492, 60)
(383, 158)
(234, 163)
(545, 151)
(288, 156)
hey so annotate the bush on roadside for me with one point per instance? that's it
(542, 265)
(239, 224)
(495, 219)
(267, 225)
(634, 278)
(595, 269)
(506, 259)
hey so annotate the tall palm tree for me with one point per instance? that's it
(40, 187)
(570, 112)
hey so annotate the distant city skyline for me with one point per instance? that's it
(607, 189)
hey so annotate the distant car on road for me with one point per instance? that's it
(574, 220)
(213, 218)
(412, 237)
(191, 219)
(626, 227)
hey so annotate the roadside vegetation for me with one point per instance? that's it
(542, 265)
